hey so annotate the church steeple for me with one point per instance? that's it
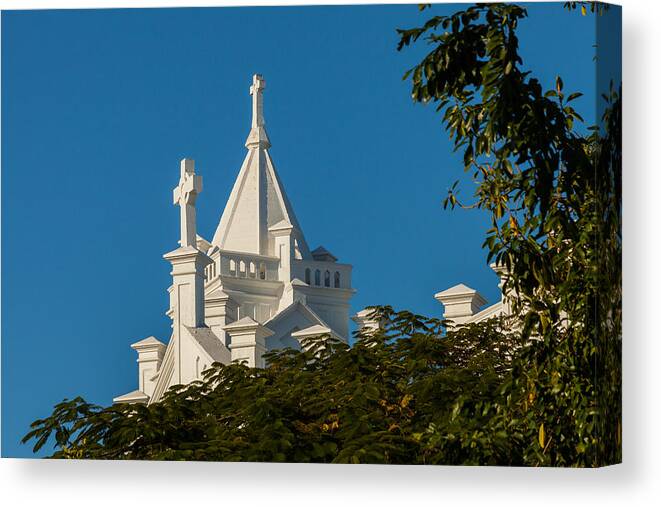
(258, 137)
(258, 208)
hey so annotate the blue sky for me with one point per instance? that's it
(99, 106)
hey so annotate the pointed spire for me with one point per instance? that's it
(258, 137)
(258, 207)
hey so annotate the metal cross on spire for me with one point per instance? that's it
(184, 195)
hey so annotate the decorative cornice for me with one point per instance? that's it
(184, 253)
(149, 343)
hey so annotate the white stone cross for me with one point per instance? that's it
(257, 92)
(184, 195)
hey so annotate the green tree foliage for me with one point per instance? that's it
(543, 389)
(371, 403)
(554, 197)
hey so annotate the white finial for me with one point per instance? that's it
(258, 136)
(184, 195)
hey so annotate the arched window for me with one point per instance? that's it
(327, 279)
(242, 268)
(307, 276)
(253, 268)
(317, 277)
(262, 271)
(232, 267)
(337, 280)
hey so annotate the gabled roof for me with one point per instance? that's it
(211, 344)
(489, 311)
(297, 306)
(166, 371)
(208, 342)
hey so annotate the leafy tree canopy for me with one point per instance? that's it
(372, 403)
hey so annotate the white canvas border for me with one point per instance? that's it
(28, 482)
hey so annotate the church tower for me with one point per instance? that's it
(255, 287)
(261, 257)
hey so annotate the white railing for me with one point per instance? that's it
(260, 267)
(242, 265)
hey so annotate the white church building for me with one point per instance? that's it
(256, 286)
